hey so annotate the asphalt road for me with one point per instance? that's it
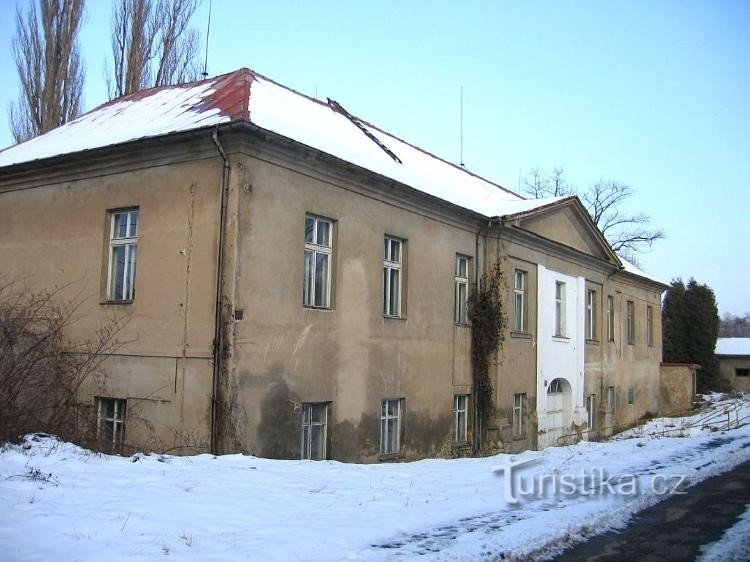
(676, 528)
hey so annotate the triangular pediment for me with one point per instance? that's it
(568, 223)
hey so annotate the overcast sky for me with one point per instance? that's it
(653, 94)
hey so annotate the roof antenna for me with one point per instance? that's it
(208, 34)
(462, 127)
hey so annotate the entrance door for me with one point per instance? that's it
(558, 394)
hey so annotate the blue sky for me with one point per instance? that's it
(653, 94)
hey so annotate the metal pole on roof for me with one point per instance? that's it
(462, 127)
(208, 34)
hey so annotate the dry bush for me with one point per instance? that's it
(41, 371)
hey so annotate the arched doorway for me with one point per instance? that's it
(558, 408)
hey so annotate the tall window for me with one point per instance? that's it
(631, 323)
(111, 422)
(392, 261)
(591, 411)
(519, 301)
(462, 289)
(460, 417)
(123, 250)
(631, 395)
(316, 286)
(611, 399)
(390, 426)
(519, 415)
(314, 431)
(560, 309)
(610, 318)
(591, 313)
(650, 325)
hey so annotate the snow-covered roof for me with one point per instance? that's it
(733, 346)
(635, 270)
(244, 95)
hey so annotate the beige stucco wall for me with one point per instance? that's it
(727, 366)
(677, 388)
(607, 363)
(351, 355)
(281, 354)
(55, 234)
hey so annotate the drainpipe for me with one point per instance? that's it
(218, 328)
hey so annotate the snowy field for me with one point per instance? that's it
(58, 501)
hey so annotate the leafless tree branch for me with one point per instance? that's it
(627, 233)
(46, 54)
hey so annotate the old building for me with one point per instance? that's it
(734, 362)
(296, 282)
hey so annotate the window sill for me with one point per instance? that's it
(386, 457)
(116, 303)
(519, 438)
(310, 307)
(462, 324)
(592, 342)
(387, 317)
(520, 335)
(562, 339)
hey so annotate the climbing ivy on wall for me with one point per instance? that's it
(487, 335)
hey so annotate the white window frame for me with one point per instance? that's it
(650, 326)
(461, 312)
(591, 314)
(315, 249)
(130, 243)
(519, 300)
(118, 418)
(385, 417)
(630, 310)
(460, 417)
(591, 411)
(519, 414)
(560, 309)
(390, 265)
(610, 318)
(306, 425)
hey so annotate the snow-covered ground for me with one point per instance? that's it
(60, 501)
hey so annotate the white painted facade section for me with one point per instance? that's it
(560, 356)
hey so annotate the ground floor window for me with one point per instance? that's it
(314, 430)
(110, 430)
(390, 426)
(591, 411)
(460, 417)
(742, 372)
(631, 395)
(611, 399)
(519, 416)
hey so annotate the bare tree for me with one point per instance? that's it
(735, 326)
(177, 43)
(539, 184)
(132, 43)
(41, 371)
(152, 45)
(627, 233)
(46, 55)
